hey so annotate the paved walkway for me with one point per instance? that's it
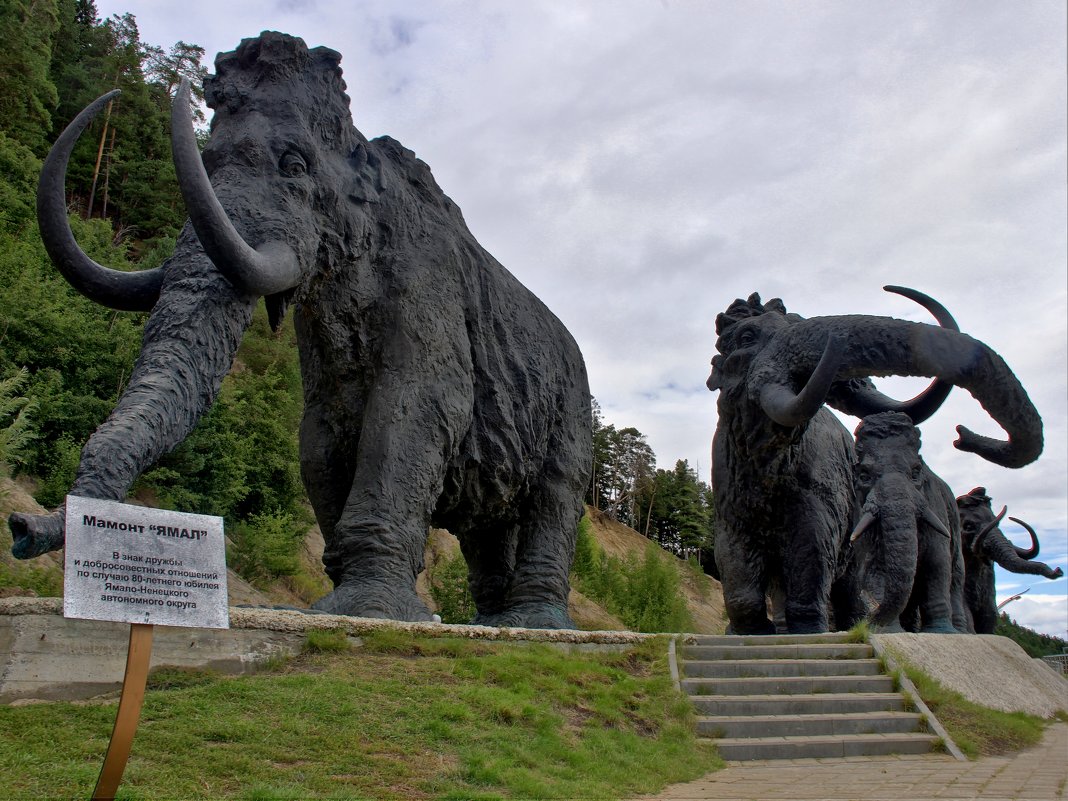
(1037, 774)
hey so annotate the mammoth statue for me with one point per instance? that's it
(983, 545)
(437, 389)
(906, 546)
(782, 464)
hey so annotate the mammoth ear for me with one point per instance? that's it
(368, 180)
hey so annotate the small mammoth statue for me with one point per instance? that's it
(906, 546)
(984, 544)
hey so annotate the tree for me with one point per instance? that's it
(679, 512)
(27, 93)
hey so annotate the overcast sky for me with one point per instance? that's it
(641, 164)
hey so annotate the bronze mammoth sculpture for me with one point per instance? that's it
(437, 388)
(984, 544)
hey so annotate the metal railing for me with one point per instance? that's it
(1058, 662)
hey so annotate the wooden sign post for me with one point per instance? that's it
(145, 567)
(133, 696)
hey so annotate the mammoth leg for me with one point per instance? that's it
(537, 595)
(743, 570)
(189, 343)
(326, 469)
(932, 586)
(808, 574)
(413, 418)
(490, 550)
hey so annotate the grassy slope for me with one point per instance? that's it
(400, 718)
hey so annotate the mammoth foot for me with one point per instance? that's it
(36, 534)
(543, 615)
(364, 599)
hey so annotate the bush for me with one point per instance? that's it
(450, 590)
(16, 428)
(265, 547)
(645, 594)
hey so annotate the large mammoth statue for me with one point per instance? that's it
(437, 389)
(782, 464)
(906, 550)
(984, 544)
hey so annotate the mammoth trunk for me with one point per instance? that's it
(892, 571)
(188, 347)
(882, 346)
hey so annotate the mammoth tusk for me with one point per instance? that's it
(1027, 553)
(271, 267)
(863, 525)
(932, 520)
(790, 410)
(125, 291)
(977, 543)
(864, 399)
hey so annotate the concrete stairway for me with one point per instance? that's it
(797, 695)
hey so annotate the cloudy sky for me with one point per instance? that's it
(640, 164)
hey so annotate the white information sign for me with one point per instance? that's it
(132, 564)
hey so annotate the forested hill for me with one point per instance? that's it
(64, 360)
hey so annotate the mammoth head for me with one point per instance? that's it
(282, 157)
(743, 330)
(789, 367)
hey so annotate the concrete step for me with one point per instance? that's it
(788, 685)
(814, 650)
(809, 725)
(816, 703)
(742, 668)
(822, 747)
(770, 639)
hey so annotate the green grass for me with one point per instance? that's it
(977, 730)
(400, 718)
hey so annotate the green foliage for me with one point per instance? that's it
(19, 169)
(450, 590)
(46, 582)
(27, 93)
(860, 633)
(326, 641)
(645, 594)
(61, 466)
(16, 428)
(1034, 643)
(265, 547)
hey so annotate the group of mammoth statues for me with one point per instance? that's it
(830, 529)
(439, 391)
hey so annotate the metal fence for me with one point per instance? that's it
(1058, 662)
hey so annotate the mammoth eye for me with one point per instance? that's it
(746, 338)
(292, 164)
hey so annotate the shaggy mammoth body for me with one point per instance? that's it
(437, 388)
(782, 464)
(984, 544)
(906, 553)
